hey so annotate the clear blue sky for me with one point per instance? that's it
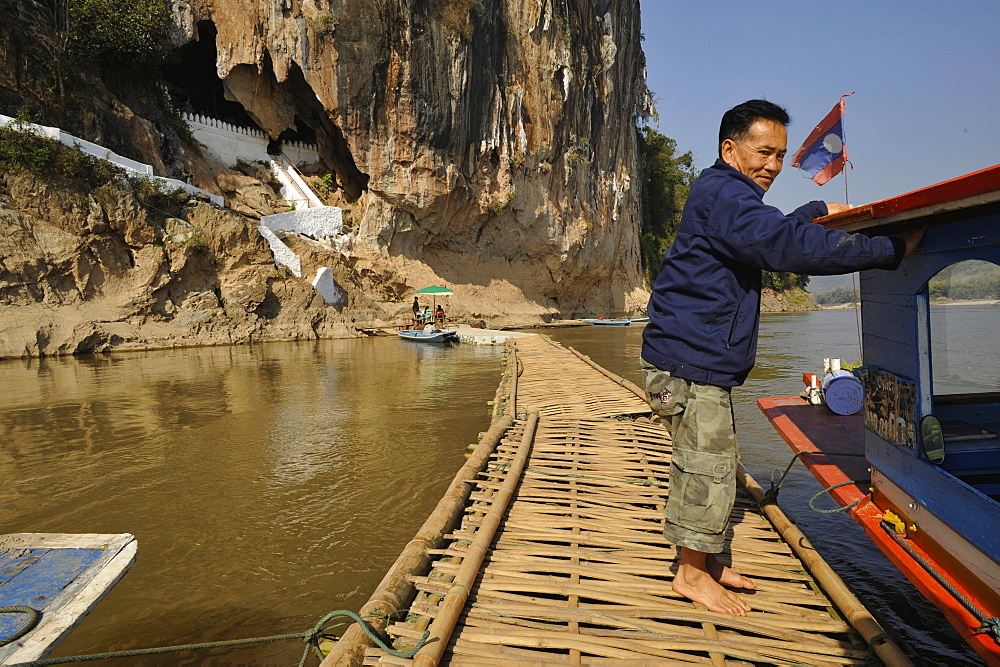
(926, 75)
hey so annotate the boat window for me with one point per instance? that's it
(964, 317)
(965, 365)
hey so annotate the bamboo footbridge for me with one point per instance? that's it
(548, 549)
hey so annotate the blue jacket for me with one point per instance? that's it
(705, 307)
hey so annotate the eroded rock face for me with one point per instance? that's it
(486, 144)
(96, 272)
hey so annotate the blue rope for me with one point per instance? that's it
(875, 641)
(311, 638)
(771, 495)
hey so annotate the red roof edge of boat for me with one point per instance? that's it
(976, 184)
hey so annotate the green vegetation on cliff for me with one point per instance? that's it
(91, 68)
(666, 182)
(21, 150)
(79, 173)
(71, 40)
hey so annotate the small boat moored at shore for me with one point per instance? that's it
(49, 582)
(600, 321)
(435, 336)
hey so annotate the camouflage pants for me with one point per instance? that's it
(699, 418)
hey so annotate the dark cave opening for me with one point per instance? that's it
(196, 87)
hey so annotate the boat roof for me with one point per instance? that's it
(968, 191)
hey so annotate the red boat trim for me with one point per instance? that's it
(806, 428)
(980, 187)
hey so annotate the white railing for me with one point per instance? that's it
(102, 153)
(293, 187)
(232, 143)
(312, 217)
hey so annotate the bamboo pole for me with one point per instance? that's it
(454, 602)
(512, 360)
(395, 590)
(618, 379)
(852, 608)
(502, 397)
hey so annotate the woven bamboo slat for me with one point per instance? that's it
(560, 558)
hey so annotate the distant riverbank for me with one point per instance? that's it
(941, 302)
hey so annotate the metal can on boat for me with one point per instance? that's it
(843, 392)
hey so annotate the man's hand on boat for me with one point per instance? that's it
(912, 238)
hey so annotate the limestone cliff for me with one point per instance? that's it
(488, 145)
(103, 270)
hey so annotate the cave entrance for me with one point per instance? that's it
(196, 87)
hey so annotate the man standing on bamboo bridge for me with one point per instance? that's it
(701, 340)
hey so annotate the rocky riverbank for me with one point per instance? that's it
(124, 267)
(121, 269)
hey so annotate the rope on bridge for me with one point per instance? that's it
(310, 637)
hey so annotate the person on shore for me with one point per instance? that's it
(416, 310)
(701, 339)
(439, 316)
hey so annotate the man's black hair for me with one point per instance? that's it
(737, 121)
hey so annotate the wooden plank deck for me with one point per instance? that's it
(574, 568)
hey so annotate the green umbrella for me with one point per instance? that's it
(434, 291)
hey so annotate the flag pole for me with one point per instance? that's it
(843, 128)
(847, 197)
(847, 201)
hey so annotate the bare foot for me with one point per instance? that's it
(726, 576)
(698, 585)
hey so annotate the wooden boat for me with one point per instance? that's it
(600, 321)
(436, 336)
(59, 576)
(927, 489)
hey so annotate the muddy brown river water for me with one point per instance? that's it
(270, 484)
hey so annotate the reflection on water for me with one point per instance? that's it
(964, 348)
(266, 485)
(790, 344)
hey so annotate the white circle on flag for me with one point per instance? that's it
(832, 143)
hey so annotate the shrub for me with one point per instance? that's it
(324, 187)
(456, 15)
(23, 150)
(112, 32)
(161, 204)
(327, 22)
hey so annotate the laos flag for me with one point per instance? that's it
(824, 153)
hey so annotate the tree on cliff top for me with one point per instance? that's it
(63, 44)
(666, 182)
